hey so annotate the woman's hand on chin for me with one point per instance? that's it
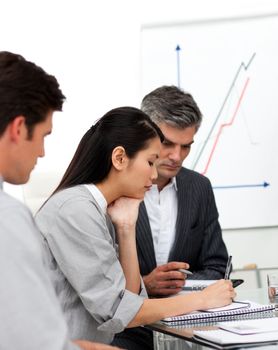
(124, 212)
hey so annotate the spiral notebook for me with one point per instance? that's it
(206, 322)
(236, 308)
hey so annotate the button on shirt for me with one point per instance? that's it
(162, 208)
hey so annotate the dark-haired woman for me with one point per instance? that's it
(88, 226)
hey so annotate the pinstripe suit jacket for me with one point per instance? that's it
(198, 240)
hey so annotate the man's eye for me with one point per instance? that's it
(166, 143)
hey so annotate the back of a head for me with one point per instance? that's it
(173, 106)
(124, 126)
(26, 90)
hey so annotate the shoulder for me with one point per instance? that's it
(75, 192)
(75, 204)
(13, 211)
(17, 227)
(188, 175)
(73, 196)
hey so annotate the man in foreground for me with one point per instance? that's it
(30, 312)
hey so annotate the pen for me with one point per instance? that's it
(228, 268)
(185, 271)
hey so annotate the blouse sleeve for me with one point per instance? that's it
(85, 251)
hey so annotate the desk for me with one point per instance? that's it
(180, 337)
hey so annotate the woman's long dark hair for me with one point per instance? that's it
(125, 126)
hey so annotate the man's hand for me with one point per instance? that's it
(87, 345)
(166, 279)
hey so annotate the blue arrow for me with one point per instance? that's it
(264, 184)
(178, 64)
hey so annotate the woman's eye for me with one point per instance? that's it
(150, 163)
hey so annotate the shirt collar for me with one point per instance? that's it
(172, 183)
(98, 196)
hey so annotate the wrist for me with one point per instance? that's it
(124, 229)
(202, 300)
(148, 284)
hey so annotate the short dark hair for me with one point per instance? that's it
(173, 106)
(128, 127)
(27, 90)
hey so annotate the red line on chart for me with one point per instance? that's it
(222, 126)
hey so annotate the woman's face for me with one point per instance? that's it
(141, 170)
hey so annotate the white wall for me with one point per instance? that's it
(93, 48)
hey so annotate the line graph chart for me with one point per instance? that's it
(222, 126)
(230, 68)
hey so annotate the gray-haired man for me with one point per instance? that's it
(178, 226)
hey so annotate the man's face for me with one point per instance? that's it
(174, 150)
(30, 149)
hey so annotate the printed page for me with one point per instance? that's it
(251, 326)
(223, 337)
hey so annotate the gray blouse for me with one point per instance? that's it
(80, 248)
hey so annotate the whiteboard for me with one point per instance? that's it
(230, 67)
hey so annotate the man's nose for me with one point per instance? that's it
(175, 153)
(42, 151)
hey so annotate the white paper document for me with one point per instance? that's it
(251, 326)
(227, 339)
(191, 285)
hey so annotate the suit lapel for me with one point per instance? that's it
(144, 240)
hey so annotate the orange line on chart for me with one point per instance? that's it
(222, 126)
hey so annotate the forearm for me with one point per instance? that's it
(128, 258)
(217, 294)
(153, 310)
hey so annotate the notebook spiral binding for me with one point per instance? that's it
(192, 323)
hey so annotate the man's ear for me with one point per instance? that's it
(119, 158)
(17, 128)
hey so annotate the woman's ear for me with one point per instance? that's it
(119, 158)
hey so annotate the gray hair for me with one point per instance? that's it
(173, 106)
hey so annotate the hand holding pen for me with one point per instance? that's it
(167, 279)
(228, 268)
(223, 290)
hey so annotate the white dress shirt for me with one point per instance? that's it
(162, 208)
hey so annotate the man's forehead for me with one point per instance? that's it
(173, 134)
